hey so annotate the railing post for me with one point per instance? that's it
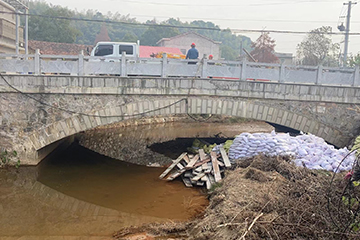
(356, 82)
(282, 73)
(163, 65)
(319, 74)
(81, 63)
(204, 66)
(243, 70)
(123, 64)
(37, 62)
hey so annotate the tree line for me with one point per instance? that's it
(121, 28)
(82, 27)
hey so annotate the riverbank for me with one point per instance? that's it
(264, 198)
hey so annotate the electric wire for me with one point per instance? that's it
(180, 27)
(222, 5)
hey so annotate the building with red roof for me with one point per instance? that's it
(148, 51)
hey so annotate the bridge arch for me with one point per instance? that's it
(164, 106)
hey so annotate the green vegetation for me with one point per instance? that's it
(121, 28)
(354, 60)
(198, 144)
(318, 49)
(356, 146)
(6, 158)
(227, 145)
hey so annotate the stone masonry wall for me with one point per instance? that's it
(27, 125)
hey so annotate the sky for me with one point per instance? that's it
(289, 15)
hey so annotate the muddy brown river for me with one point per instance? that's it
(80, 194)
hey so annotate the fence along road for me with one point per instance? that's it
(80, 65)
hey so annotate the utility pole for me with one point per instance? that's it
(347, 31)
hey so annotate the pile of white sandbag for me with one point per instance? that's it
(306, 150)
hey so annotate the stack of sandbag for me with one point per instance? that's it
(306, 150)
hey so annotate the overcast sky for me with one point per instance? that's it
(290, 15)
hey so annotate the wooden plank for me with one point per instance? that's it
(188, 174)
(216, 168)
(211, 179)
(187, 182)
(200, 184)
(225, 157)
(207, 167)
(202, 154)
(192, 162)
(186, 158)
(208, 183)
(176, 174)
(172, 165)
(197, 177)
(199, 163)
(220, 163)
(180, 166)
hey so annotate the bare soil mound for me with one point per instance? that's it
(266, 198)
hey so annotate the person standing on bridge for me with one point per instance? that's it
(192, 53)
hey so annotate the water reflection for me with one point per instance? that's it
(121, 186)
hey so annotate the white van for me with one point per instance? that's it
(113, 50)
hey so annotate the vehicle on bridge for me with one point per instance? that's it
(113, 50)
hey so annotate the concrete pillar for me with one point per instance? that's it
(319, 74)
(243, 70)
(356, 82)
(163, 65)
(204, 63)
(37, 62)
(282, 73)
(123, 64)
(81, 64)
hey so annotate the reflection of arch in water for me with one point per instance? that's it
(87, 210)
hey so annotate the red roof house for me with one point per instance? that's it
(55, 48)
(147, 51)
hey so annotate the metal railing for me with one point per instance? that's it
(80, 65)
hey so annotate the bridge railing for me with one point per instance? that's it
(81, 65)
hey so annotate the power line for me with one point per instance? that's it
(246, 20)
(221, 5)
(179, 27)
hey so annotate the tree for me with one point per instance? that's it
(154, 33)
(318, 49)
(354, 60)
(129, 37)
(263, 49)
(119, 29)
(53, 30)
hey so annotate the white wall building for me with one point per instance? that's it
(8, 30)
(183, 41)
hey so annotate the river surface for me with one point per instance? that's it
(80, 194)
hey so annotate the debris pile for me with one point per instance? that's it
(306, 150)
(198, 170)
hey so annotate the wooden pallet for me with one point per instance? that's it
(199, 170)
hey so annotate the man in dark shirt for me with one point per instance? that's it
(192, 53)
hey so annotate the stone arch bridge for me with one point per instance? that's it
(42, 111)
